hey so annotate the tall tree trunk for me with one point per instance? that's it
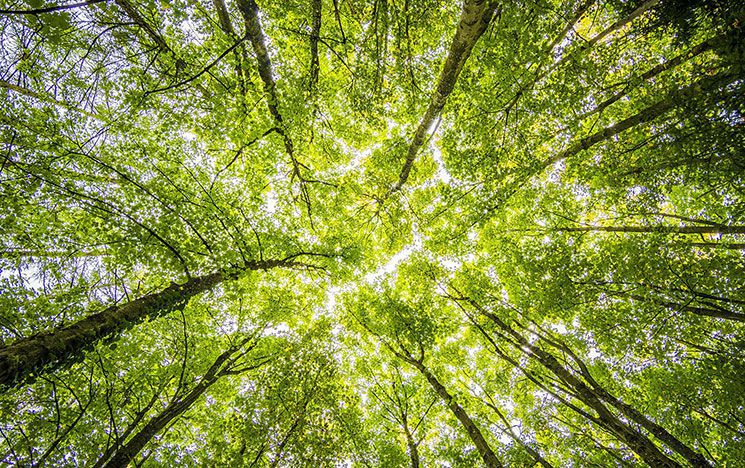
(487, 454)
(31, 354)
(508, 430)
(640, 444)
(175, 409)
(315, 33)
(718, 312)
(713, 43)
(137, 18)
(548, 53)
(250, 11)
(673, 99)
(111, 449)
(661, 229)
(643, 8)
(694, 458)
(592, 395)
(542, 72)
(28, 355)
(412, 446)
(475, 17)
(241, 55)
(255, 33)
(43, 97)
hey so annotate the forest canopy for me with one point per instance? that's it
(372, 233)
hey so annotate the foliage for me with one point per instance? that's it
(429, 239)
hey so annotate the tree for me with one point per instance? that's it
(372, 233)
(226, 363)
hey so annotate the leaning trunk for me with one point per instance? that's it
(175, 409)
(635, 440)
(660, 229)
(639, 443)
(487, 454)
(675, 98)
(135, 445)
(31, 354)
(412, 446)
(719, 312)
(694, 458)
(474, 19)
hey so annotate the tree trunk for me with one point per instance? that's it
(540, 73)
(137, 18)
(175, 409)
(705, 311)
(662, 229)
(111, 449)
(135, 445)
(28, 355)
(634, 439)
(250, 11)
(255, 33)
(487, 454)
(695, 459)
(315, 33)
(643, 8)
(475, 17)
(413, 449)
(548, 52)
(673, 99)
(699, 49)
(241, 55)
(508, 430)
(31, 354)
(640, 444)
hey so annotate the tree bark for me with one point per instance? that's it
(135, 445)
(487, 454)
(137, 18)
(110, 450)
(660, 229)
(640, 444)
(32, 354)
(673, 99)
(699, 49)
(541, 73)
(413, 449)
(508, 430)
(475, 18)
(255, 33)
(592, 397)
(45, 98)
(704, 311)
(315, 34)
(175, 409)
(548, 52)
(643, 8)
(241, 55)
(694, 458)
(250, 11)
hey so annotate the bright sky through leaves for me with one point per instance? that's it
(372, 233)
